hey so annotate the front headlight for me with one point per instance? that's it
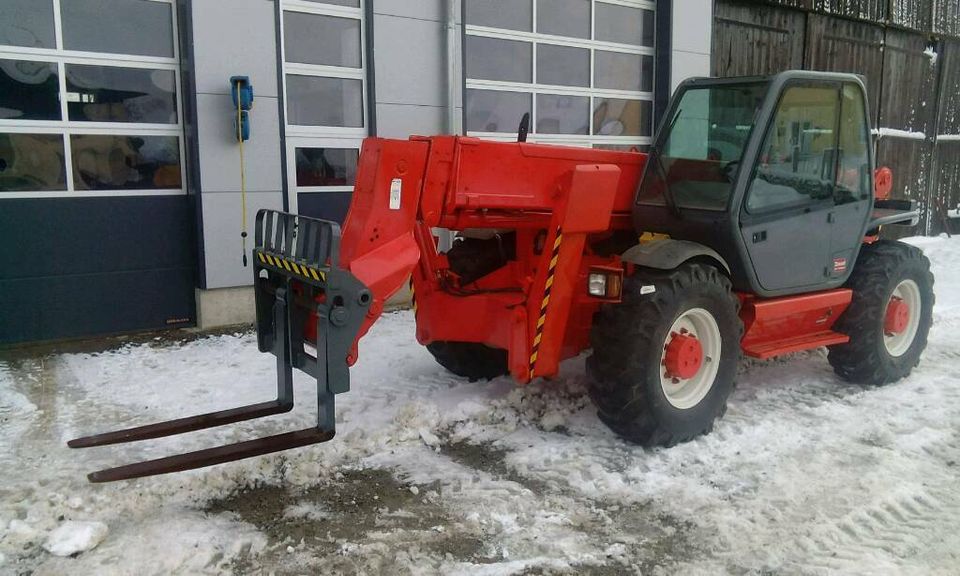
(597, 285)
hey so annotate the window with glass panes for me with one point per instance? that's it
(89, 98)
(583, 69)
(325, 93)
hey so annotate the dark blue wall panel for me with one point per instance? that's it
(73, 267)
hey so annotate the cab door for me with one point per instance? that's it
(788, 207)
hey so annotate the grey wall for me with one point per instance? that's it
(234, 37)
(410, 61)
(691, 34)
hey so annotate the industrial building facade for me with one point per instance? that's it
(121, 201)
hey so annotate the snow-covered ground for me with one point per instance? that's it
(431, 474)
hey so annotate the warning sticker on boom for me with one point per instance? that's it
(396, 189)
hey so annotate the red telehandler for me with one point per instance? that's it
(750, 227)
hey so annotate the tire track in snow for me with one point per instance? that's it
(891, 531)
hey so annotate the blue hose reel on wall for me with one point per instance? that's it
(242, 92)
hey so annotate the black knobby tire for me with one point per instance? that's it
(880, 268)
(470, 360)
(628, 340)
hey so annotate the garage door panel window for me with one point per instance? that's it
(591, 75)
(138, 27)
(569, 18)
(110, 162)
(497, 59)
(494, 111)
(31, 162)
(29, 90)
(115, 94)
(319, 101)
(348, 3)
(563, 65)
(617, 117)
(619, 71)
(624, 24)
(27, 23)
(326, 166)
(561, 114)
(509, 14)
(321, 40)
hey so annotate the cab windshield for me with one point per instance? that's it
(697, 160)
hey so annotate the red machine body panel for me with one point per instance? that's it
(557, 201)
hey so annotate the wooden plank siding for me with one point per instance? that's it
(947, 17)
(945, 185)
(914, 15)
(929, 16)
(750, 40)
(870, 10)
(908, 104)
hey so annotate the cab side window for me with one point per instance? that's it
(798, 160)
(853, 175)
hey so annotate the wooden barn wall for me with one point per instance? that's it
(947, 17)
(873, 10)
(912, 14)
(908, 83)
(908, 104)
(775, 36)
(945, 186)
(918, 15)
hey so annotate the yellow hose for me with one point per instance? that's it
(243, 178)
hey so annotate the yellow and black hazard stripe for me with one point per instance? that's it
(290, 266)
(545, 303)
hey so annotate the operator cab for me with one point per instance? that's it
(775, 174)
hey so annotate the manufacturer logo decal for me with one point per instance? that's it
(396, 190)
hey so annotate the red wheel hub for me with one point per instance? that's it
(897, 318)
(683, 357)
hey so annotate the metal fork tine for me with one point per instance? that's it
(211, 456)
(181, 425)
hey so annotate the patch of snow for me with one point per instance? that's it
(804, 474)
(894, 133)
(429, 438)
(73, 537)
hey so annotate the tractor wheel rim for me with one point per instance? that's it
(685, 393)
(907, 292)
